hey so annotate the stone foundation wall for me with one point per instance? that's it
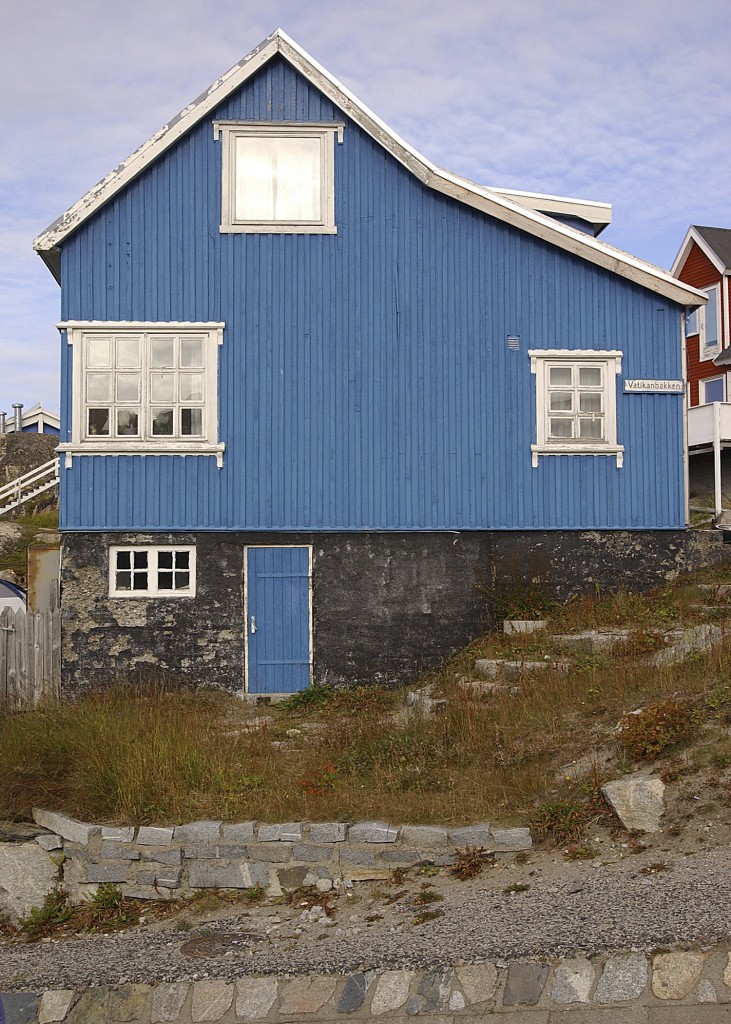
(691, 987)
(385, 605)
(151, 862)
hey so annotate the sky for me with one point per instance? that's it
(621, 101)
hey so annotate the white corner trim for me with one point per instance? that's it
(476, 196)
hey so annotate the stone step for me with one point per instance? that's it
(715, 590)
(591, 641)
(511, 626)
(486, 687)
(494, 668)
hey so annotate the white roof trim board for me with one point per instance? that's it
(492, 202)
(695, 236)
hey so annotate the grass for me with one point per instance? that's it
(158, 754)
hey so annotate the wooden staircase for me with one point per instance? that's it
(29, 486)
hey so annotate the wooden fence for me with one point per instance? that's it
(30, 657)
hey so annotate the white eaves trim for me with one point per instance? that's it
(684, 251)
(479, 197)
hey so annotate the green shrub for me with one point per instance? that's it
(658, 728)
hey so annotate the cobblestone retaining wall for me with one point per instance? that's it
(668, 988)
(151, 862)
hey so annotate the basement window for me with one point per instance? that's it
(576, 403)
(152, 572)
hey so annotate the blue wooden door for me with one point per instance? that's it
(278, 619)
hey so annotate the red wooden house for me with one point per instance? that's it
(704, 261)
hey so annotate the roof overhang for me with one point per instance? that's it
(598, 215)
(693, 235)
(491, 202)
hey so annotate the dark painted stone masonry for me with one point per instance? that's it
(384, 604)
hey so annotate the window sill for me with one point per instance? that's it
(142, 448)
(278, 229)
(616, 450)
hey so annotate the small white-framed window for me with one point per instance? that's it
(576, 402)
(145, 388)
(705, 321)
(152, 571)
(713, 389)
(278, 177)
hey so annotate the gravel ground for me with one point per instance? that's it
(658, 899)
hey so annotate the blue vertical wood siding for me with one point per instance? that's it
(365, 379)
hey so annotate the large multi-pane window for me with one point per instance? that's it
(145, 387)
(576, 403)
(152, 572)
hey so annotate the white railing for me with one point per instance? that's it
(27, 486)
(707, 423)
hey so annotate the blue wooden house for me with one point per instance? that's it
(315, 389)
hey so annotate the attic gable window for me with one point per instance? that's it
(144, 388)
(277, 178)
(576, 403)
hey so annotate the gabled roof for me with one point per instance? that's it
(492, 202)
(714, 242)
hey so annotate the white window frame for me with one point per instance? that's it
(153, 589)
(229, 131)
(709, 380)
(611, 363)
(79, 332)
(708, 351)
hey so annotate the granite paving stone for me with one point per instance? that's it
(172, 856)
(624, 977)
(55, 1004)
(512, 839)
(572, 981)
(392, 991)
(477, 981)
(424, 837)
(255, 997)
(306, 995)
(91, 1007)
(525, 983)
(198, 832)
(432, 993)
(69, 828)
(354, 992)
(306, 852)
(674, 975)
(472, 835)
(107, 872)
(372, 832)
(211, 999)
(288, 831)
(274, 852)
(328, 832)
(128, 1003)
(117, 849)
(167, 1001)
(152, 835)
(241, 832)
(706, 991)
(20, 1007)
(48, 841)
(119, 835)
